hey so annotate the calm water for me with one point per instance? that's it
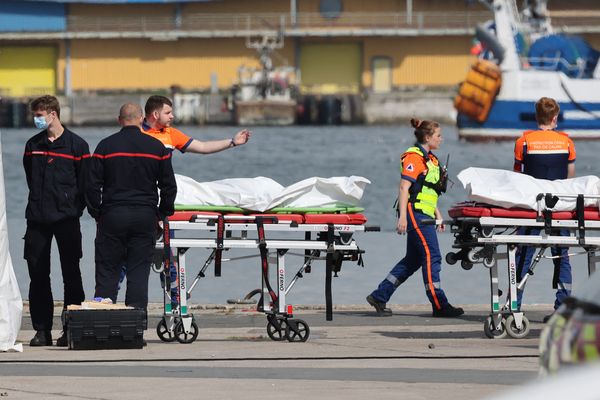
(289, 155)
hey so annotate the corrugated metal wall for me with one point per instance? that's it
(131, 64)
(330, 67)
(27, 70)
(440, 61)
(145, 64)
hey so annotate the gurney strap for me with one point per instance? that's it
(307, 253)
(264, 254)
(329, 273)
(548, 221)
(580, 213)
(219, 249)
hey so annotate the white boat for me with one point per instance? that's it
(266, 95)
(551, 69)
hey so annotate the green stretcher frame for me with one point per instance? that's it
(276, 210)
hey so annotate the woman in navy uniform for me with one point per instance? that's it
(422, 182)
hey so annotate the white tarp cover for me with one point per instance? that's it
(510, 189)
(11, 304)
(261, 194)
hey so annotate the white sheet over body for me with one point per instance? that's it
(261, 194)
(510, 189)
(11, 304)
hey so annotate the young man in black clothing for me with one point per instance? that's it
(55, 163)
(127, 170)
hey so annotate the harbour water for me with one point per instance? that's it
(288, 155)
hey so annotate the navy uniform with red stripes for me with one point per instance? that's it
(126, 172)
(55, 171)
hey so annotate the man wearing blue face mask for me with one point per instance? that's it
(55, 162)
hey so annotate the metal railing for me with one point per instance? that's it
(275, 21)
(303, 23)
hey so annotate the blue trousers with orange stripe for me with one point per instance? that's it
(562, 278)
(422, 251)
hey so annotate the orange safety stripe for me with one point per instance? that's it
(145, 155)
(51, 153)
(428, 254)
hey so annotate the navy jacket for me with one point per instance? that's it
(126, 170)
(55, 173)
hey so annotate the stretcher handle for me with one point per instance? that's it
(568, 195)
(433, 221)
(372, 228)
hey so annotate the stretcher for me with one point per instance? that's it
(327, 235)
(485, 234)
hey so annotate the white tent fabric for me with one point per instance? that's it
(510, 189)
(261, 194)
(11, 304)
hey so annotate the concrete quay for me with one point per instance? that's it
(358, 355)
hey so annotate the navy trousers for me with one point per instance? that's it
(125, 237)
(38, 240)
(562, 280)
(422, 251)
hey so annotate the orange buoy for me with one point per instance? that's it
(477, 93)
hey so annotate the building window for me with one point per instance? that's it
(330, 9)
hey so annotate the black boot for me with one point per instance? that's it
(41, 338)
(448, 312)
(62, 341)
(380, 307)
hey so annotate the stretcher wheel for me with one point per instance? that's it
(466, 265)
(277, 328)
(488, 262)
(157, 261)
(345, 238)
(183, 337)
(451, 258)
(473, 256)
(297, 330)
(512, 329)
(498, 333)
(163, 333)
(486, 231)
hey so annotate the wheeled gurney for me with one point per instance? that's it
(327, 235)
(480, 230)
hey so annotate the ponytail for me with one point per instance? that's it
(423, 129)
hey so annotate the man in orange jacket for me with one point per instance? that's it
(546, 154)
(159, 117)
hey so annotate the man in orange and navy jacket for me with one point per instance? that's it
(126, 172)
(159, 117)
(546, 154)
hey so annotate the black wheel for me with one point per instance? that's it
(183, 337)
(488, 262)
(345, 238)
(158, 261)
(487, 231)
(163, 333)
(297, 330)
(277, 328)
(451, 258)
(473, 256)
(494, 332)
(513, 331)
(466, 265)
